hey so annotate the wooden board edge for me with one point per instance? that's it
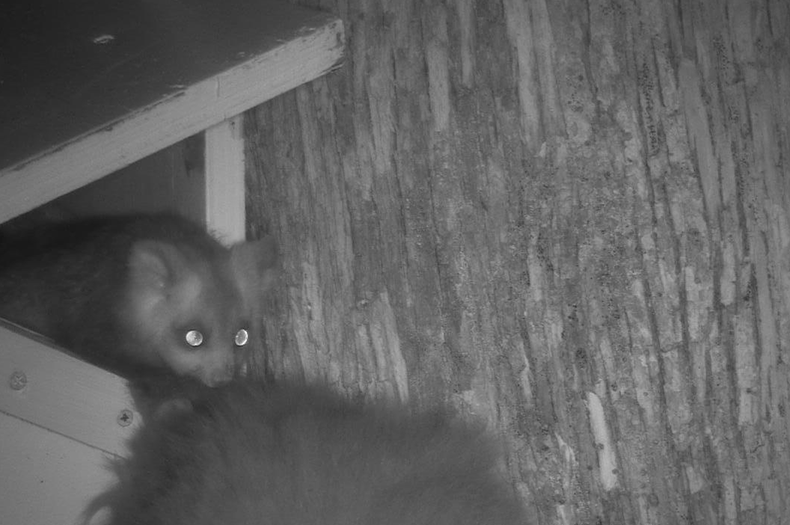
(117, 144)
(51, 389)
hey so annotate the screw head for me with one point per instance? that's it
(18, 380)
(125, 417)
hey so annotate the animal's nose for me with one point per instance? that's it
(219, 378)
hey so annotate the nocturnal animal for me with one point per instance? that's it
(256, 453)
(140, 295)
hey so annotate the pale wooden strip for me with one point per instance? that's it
(56, 391)
(46, 478)
(225, 212)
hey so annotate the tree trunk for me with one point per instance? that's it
(568, 218)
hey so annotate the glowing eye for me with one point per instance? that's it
(194, 338)
(241, 337)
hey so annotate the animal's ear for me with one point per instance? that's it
(155, 270)
(154, 264)
(255, 263)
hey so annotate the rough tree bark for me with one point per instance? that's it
(570, 218)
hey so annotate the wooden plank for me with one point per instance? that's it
(48, 387)
(47, 478)
(225, 210)
(87, 90)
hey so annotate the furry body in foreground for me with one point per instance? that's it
(250, 454)
(140, 295)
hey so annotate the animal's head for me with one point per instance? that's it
(186, 310)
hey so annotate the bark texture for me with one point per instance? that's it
(570, 218)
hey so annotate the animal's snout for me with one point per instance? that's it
(219, 377)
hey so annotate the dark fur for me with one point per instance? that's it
(249, 454)
(89, 285)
